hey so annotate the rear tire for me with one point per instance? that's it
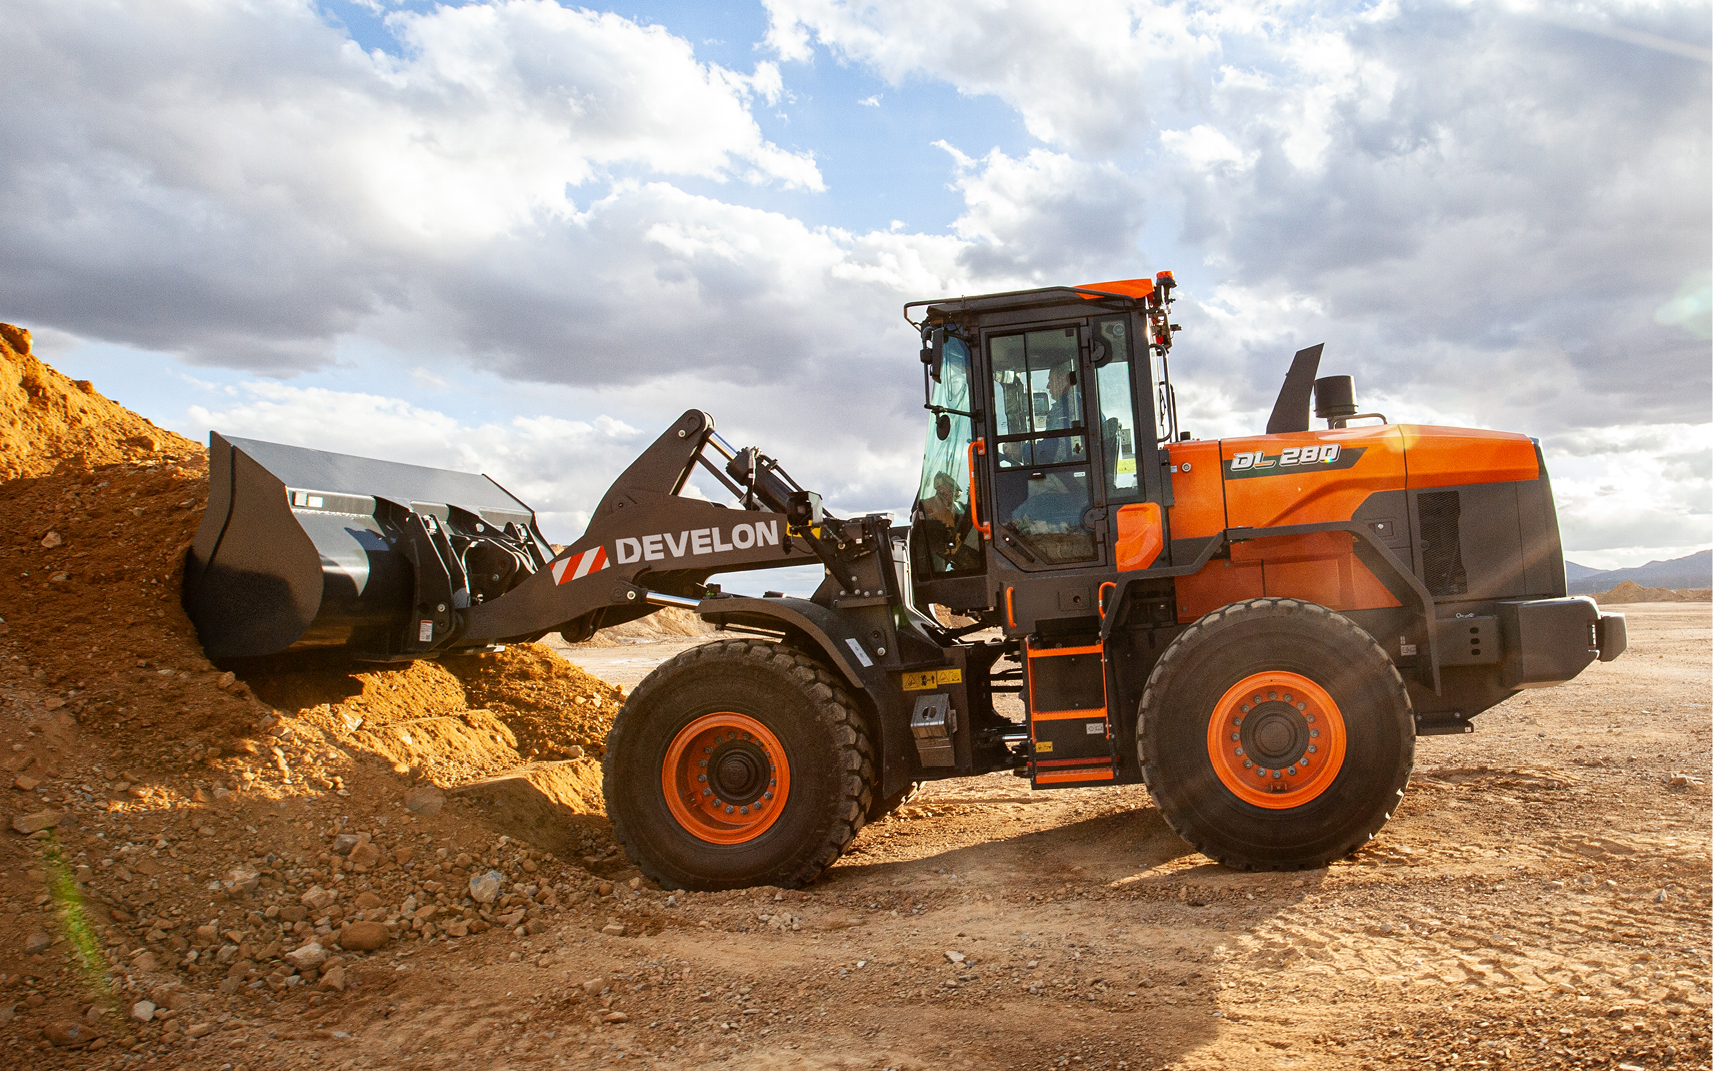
(1236, 777)
(784, 737)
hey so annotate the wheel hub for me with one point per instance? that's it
(1275, 734)
(1276, 739)
(738, 771)
(725, 778)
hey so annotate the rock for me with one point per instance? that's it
(37, 942)
(615, 1017)
(426, 801)
(317, 898)
(614, 929)
(365, 855)
(51, 540)
(243, 880)
(143, 1010)
(403, 855)
(25, 783)
(364, 936)
(308, 957)
(955, 957)
(593, 986)
(68, 1033)
(574, 752)
(146, 962)
(343, 843)
(366, 900)
(200, 1030)
(34, 823)
(484, 887)
(333, 979)
(457, 929)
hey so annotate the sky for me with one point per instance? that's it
(521, 237)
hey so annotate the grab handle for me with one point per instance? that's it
(979, 446)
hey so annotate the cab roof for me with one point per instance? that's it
(1122, 293)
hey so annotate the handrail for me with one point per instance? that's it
(978, 446)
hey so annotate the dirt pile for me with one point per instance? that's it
(99, 526)
(1630, 591)
(96, 523)
(49, 423)
(666, 623)
(185, 833)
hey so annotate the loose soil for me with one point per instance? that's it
(1541, 899)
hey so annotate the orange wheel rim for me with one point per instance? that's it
(1276, 740)
(725, 778)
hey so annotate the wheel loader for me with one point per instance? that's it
(1258, 628)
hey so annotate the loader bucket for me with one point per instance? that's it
(304, 549)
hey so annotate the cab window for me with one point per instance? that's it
(1113, 387)
(944, 539)
(1040, 443)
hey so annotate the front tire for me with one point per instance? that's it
(736, 764)
(1275, 734)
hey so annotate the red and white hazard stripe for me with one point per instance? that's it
(580, 565)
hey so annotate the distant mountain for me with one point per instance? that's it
(1690, 571)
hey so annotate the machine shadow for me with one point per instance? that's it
(1150, 930)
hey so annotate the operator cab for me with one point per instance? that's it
(1049, 409)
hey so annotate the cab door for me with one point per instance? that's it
(1067, 447)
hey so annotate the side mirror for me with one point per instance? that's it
(943, 427)
(934, 352)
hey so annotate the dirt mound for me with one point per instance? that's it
(468, 717)
(100, 508)
(49, 423)
(97, 514)
(554, 707)
(193, 823)
(668, 622)
(1630, 591)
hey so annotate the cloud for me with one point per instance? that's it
(1046, 218)
(1082, 79)
(561, 467)
(1645, 491)
(243, 184)
(1459, 200)
(526, 454)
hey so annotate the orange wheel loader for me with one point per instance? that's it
(1257, 628)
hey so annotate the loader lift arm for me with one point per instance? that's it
(304, 548)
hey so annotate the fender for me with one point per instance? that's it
(837, 637)
(1386, 566)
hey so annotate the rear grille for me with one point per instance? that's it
(1442, 547)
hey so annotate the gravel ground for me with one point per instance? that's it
(1541, 900)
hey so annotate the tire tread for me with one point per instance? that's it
(1164, 675)
(830, 701)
